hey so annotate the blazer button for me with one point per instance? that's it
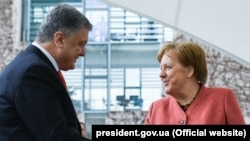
(182, 122)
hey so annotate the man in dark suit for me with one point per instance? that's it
(34, 103)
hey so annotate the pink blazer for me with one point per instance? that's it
(213, 106)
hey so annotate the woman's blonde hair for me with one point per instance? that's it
(188, 54)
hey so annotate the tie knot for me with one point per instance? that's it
(62, 78)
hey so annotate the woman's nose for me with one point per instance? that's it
(163, 73)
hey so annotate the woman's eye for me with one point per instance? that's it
(168, 67)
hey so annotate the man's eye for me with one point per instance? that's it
(82, 45)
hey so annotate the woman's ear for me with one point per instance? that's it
(190, 71)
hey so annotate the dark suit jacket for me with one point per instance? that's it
(34, 105)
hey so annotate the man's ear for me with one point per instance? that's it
(58, 39)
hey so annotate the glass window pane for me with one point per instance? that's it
(95, 4)
(115, 93)
(95, 98)
(149, 95)
(100, 25)
(94, 51)
(132, 77)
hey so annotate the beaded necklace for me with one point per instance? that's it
(186, 106)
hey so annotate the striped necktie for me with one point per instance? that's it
(62, 78)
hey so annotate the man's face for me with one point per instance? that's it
(73, 47)
(83, 130)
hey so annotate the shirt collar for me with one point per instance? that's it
(47, 54)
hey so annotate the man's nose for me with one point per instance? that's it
(83, 52)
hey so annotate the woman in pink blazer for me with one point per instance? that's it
(189, 101)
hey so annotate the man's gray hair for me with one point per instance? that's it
(64, 18)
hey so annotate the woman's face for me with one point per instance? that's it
(173, 74)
